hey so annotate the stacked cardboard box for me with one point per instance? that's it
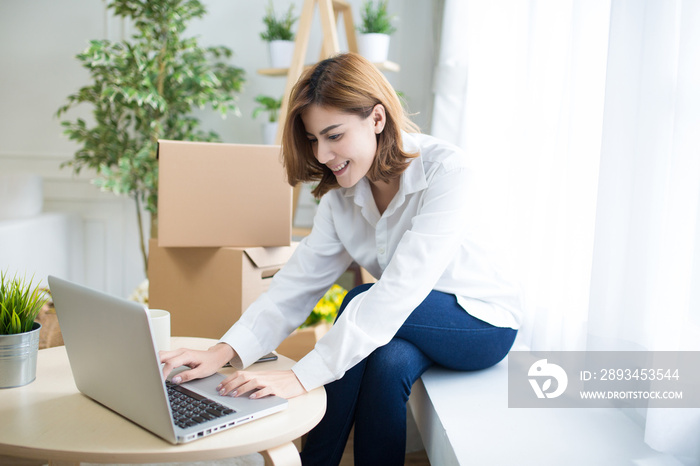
(207, 289)
(216, 195)
(225, 216)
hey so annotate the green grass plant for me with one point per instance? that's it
(278, 28)
(375, 18)
(20, 303)
(270, 105)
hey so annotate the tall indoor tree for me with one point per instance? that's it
(144, 89)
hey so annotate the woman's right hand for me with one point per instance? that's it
(202, 363)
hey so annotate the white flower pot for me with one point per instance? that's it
(269, 130)
(374, 47)
(281, 52)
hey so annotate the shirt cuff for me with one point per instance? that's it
(236, 362)
(312, 371)
(245, 345)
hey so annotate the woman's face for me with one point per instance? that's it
(345, 143)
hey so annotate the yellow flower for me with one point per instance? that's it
(327, 308)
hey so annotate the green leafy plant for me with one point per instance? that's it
(375, 18)
(326, 309)
(20, 303)
(278, 28)
(145, 89)
(268, 104)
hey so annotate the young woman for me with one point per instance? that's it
(399, 204)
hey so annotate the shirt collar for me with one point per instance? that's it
(413, 178)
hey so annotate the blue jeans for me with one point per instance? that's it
(373, 394)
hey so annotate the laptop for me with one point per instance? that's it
(114, 361)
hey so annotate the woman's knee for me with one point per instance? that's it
(484, 352)
(395, 366)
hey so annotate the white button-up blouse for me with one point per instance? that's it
(425, 240)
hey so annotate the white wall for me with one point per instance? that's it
(38, 70)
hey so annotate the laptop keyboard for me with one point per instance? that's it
(190, 408)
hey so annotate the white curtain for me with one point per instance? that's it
(583, 117)
(520, 86)
(646, 270)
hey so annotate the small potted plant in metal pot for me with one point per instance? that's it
(375, 31)
(20, 303)
(278, 34)
(271, 106)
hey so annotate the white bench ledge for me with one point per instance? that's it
(463, 419)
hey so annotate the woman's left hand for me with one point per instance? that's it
(281, 383)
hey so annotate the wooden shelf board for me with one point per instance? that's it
(386, 66)
(273, 71)
(300, 232)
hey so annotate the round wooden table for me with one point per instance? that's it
(49, 419)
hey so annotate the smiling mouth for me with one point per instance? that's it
(339, 167)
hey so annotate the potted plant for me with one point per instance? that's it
(272, 107)
(145, 89)
(279, 36)
(20, 303)
(303, 339)
(375, 31)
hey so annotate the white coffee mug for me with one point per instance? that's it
(160, 327)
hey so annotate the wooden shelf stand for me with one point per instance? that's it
(329, 13)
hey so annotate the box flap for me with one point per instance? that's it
(269, 257)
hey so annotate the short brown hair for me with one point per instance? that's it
(351, 84)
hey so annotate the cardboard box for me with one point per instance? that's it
(302, 340)
(207, 289)
(215, 195)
